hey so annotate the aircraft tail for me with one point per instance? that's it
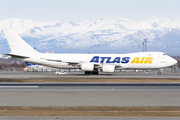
(29, 64)
(18, 45)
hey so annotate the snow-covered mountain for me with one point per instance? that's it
(105, 35)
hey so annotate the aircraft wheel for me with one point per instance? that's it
(96, 72)
(159, 73)
(87, 72)
(93, 72)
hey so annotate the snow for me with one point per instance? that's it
(19, 25)
(116, 24)
(164, 22)
(99, 33)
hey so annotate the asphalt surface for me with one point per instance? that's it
(85, 94)
(88, 94)
(84, 118)
(153, 74)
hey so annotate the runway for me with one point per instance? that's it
(85, 94)
(88, 94)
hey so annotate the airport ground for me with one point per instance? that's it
(17, 89)
(83, 118)
(81, 75)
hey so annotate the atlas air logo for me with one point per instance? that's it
(136, 60)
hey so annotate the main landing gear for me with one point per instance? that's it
(95, 72)
(159, 72)
(87, 72)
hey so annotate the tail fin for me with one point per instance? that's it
(17, 44)
(29, 64)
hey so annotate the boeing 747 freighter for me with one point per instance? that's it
(90, 63)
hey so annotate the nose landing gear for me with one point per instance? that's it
(159, 73)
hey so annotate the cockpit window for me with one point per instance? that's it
(164, 54)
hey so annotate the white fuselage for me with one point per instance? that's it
(142, 60)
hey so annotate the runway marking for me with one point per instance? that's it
(19, 86)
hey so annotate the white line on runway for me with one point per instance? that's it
(19, 86)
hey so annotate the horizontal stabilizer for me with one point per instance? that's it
(16, 56)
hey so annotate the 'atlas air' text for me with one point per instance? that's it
(136, 60)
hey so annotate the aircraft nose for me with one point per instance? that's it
(172, 61)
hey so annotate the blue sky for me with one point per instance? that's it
(81, 10)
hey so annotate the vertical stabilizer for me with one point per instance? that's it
(17, 44)
(29, 64)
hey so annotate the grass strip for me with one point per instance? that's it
(151, 111)
(93, 80)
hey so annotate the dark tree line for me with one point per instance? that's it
(178, 60)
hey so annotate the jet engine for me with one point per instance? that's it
(87, 66)
(108, 68)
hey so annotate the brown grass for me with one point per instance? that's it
(94, 80)
(153, 111)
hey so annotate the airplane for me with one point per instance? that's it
(90, 63)
(32, 65)
(35, 67)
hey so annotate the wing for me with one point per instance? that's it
(78, 63)
(70, 62)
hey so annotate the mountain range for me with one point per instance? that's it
(104, 35)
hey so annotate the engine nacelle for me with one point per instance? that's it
(87, 66)
(108, 68)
